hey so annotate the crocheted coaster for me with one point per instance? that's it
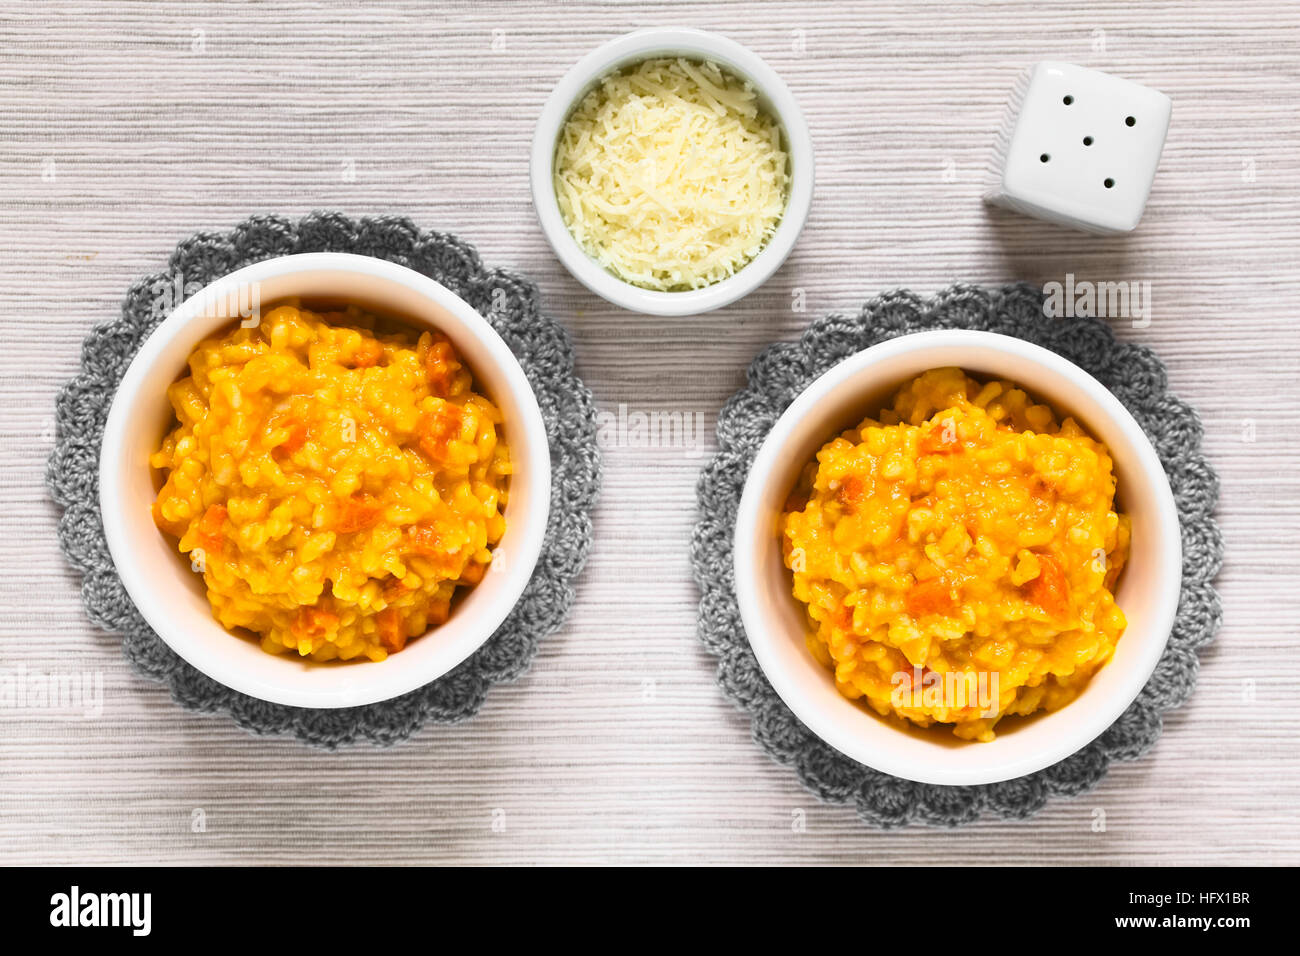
(779, 374)
(510, 304)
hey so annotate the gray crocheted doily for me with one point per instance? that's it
(508, 301)
(779, 374)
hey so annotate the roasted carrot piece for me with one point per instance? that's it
(314, 622)
(357, 513)
(438, 429)
(441, 366)
(290, 420)
(852, 493)
(439, 611)
(930, 597)
(209, 532)
(1050, 590)
(429, 543)
(391, 633)
(367, 354)
(473, 573)
(940, 439)
(395, 588)
(297, 436)
(906, 682)
(425, 540)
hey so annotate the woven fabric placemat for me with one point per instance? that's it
(780, 373)
(542, 346)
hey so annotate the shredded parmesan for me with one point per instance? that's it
(670, 176)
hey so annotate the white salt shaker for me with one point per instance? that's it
(1079, 147)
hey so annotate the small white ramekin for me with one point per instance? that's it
(172, 597)
(774, 97)
(775, 622)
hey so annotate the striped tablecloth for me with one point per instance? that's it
(126, 127)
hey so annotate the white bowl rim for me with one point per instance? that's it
(643, 44)
(370, 684)
(835, 732)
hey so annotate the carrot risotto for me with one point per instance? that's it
(957, 555)
(334, 485)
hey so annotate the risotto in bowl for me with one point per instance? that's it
(325, 480)
(957, 557)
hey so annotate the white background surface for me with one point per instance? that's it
(125, 128)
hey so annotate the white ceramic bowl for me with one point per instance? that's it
(774, 97)
(172, 597)
(774, 622)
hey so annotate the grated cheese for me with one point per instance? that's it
(670, 176)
